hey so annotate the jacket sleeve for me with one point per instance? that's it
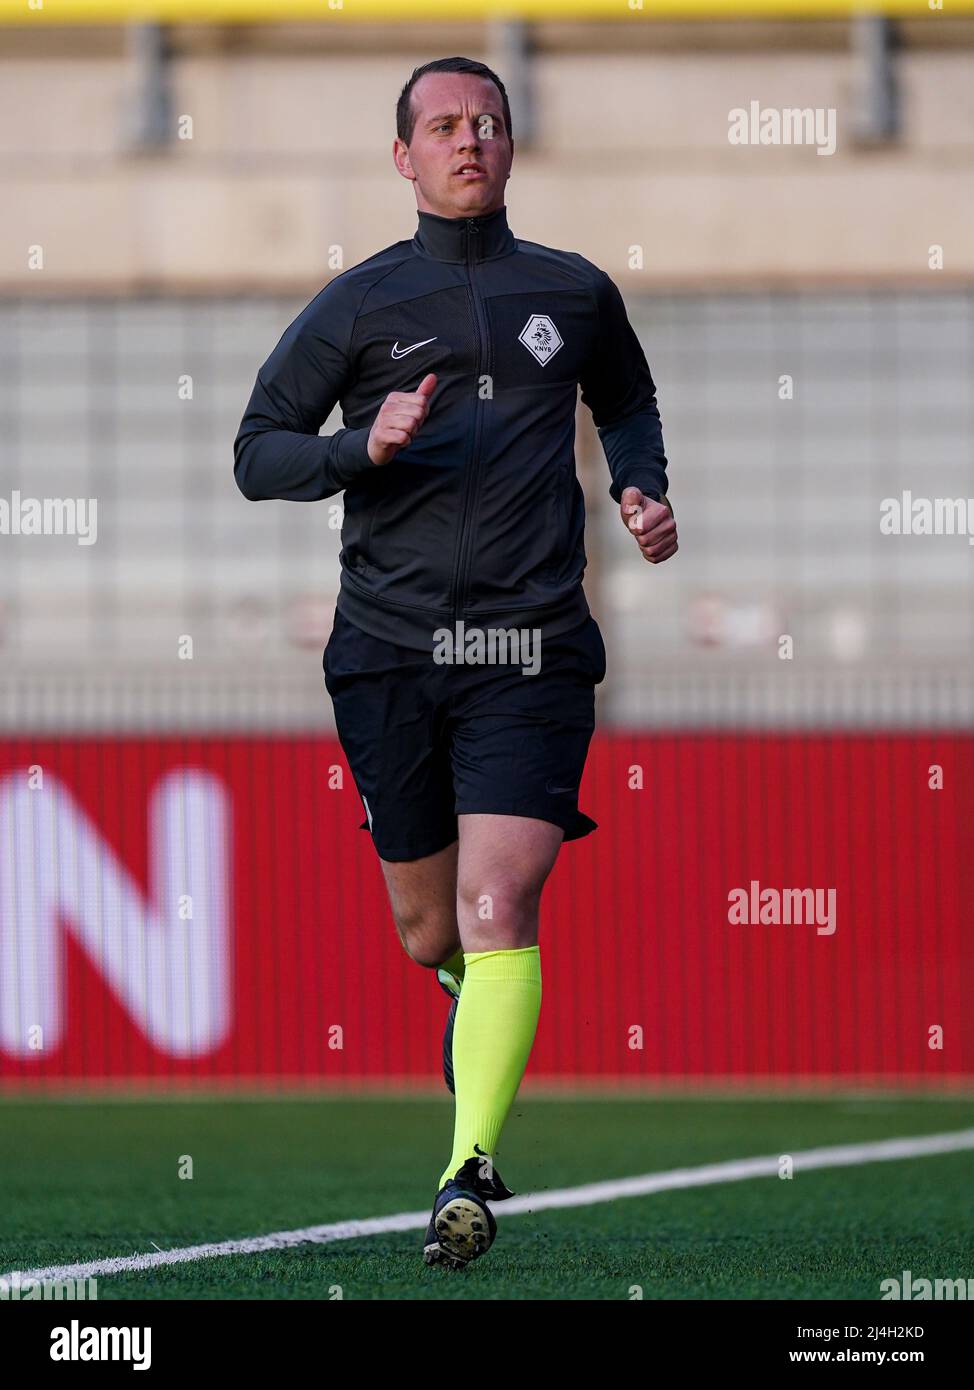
(618, 389)
(278, 452)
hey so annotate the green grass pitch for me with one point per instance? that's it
(91, 1178)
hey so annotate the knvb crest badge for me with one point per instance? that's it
(541, 338)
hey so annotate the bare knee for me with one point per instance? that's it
(422, 895)
(427, 939)
(502, 866)
(501, 914)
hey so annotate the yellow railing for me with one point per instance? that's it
(28, 12)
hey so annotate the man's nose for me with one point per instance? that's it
(470, 135)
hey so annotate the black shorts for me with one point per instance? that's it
(428, 742)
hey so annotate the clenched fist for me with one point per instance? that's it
(399, 420)
(651, 523)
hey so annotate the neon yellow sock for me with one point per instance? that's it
(497, 1017)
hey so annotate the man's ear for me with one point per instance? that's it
(400, 157)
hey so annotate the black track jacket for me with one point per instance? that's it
(481, 518)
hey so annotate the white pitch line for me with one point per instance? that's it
(589, 1194)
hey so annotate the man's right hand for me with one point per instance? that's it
(399, 420)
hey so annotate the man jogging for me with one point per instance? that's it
(463, 659)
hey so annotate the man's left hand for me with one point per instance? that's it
(652, 523)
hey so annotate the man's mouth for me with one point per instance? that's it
(471, 171)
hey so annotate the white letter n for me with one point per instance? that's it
(172, 976)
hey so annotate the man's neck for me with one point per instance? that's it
(473, 236)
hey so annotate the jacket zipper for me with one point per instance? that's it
(473, 470)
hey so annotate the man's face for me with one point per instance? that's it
(459, 158)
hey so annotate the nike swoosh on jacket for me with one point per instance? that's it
(397, 351)
(481, 517)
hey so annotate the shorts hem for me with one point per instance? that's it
(407, 853)
(575, 824)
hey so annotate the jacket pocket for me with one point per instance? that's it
(356, 528)
(559, 556)
(364, 564)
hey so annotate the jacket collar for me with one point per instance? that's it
(454, 238)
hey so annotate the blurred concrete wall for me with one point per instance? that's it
(193, 259)
(292, 130)
(778, 502)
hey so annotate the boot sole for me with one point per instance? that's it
(463, 1234)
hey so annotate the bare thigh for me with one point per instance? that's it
(502, 866)
(423, 897)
